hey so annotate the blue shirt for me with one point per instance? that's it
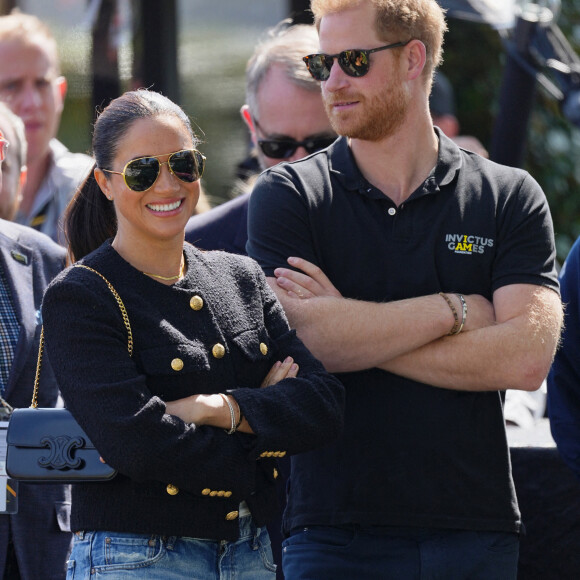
(9, 330)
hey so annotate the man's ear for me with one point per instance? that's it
(416, 58)
(62, 87)
(247, 117)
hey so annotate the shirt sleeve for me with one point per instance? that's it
(564, 377)
(279, 222)
(526, 249)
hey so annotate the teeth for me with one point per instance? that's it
(164, 207)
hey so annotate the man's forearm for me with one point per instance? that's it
(351, 335)
(515, 353)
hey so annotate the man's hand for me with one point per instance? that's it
(308, 283)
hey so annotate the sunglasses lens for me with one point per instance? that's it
(317, 144)
(277, 149)
(354, 62)
(185, 165)
(141, 174)
(319, 66)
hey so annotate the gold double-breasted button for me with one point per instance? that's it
(228, 494)
(232, 515)
(206, 491)
(196, 302)
(177, 364)
(218, 350)
(172, 489)
(264, 348)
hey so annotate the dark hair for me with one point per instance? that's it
(90, 218)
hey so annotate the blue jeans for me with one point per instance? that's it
(122, 556)
(373, 553)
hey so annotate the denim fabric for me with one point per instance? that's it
(344, 553)
(123, 556)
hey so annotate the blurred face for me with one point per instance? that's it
(286, 111)
(11, 187)
(31, 87)
(371, 107)
(161, 212)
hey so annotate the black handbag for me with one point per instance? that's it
(48, 445)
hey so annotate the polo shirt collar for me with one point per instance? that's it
(342, 165)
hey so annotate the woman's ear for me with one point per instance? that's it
(103, 183)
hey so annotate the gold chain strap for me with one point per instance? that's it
(124, 314)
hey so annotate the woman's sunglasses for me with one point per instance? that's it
(354, 62)
(142, 173)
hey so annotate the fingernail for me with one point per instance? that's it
(288, 359)
(294, 367)
(292, 260)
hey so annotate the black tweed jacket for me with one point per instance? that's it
(219, 329)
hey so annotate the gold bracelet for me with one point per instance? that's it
(456, 325)
(232, 416)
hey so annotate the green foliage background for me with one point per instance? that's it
(474, 59)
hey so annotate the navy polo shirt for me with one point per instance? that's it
(410, 454)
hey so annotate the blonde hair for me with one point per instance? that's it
(399, 20)
(24, 27)
(284, 44)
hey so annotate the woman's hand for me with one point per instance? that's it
(287, 369)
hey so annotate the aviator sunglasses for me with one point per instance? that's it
(354, 62)
(142, 173)
(284, 148)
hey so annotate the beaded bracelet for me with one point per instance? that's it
(457, 326)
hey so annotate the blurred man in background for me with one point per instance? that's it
(14, 164)
(35, 535)
(32, 86)
(286, 119)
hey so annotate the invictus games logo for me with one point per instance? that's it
(465, 244)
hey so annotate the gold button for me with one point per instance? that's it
(282, 453)
(232, 516)
(205, 491)
(264, 454)
(270, 454)
(172, 489)
(176, 364)
(276, 473)
(264, 348)
(196, 303)
(228, 494)
(221, 493)
(213, 493)
(218, 350)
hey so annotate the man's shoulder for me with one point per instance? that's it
(67, 164)
(223, 227)
(13, 234)
(232, 209)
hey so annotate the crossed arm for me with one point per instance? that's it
(507, 344)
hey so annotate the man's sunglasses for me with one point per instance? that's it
(285, 148)
(354, 62)
(3, 144)
(142, 173)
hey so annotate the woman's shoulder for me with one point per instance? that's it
(220, 259)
